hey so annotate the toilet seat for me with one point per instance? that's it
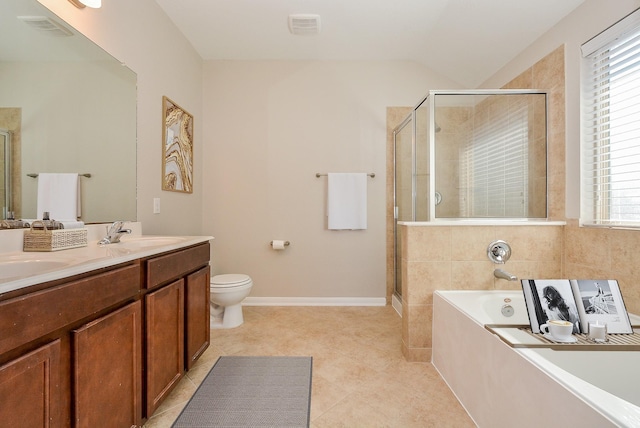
(230, 280)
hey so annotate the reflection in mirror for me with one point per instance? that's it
(70, 108)
(490, 155)
(5, 171)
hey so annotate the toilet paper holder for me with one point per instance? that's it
(286, 243)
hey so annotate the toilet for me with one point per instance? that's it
(227, 293)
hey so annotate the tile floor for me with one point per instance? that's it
(360, 378)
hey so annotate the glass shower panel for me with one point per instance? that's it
(422, 130)
(490, 152)
(404, 171)
(403, 190)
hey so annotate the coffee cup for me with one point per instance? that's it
(558, 329)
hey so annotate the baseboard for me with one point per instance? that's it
(314, 301)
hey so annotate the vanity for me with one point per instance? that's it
(103, 339)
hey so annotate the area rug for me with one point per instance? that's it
(252, 392)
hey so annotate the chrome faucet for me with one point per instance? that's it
(501, 274)
(114, 233)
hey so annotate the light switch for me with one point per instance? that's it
(156, 205)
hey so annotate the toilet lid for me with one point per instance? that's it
(230, 280)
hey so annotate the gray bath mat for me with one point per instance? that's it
(252, 392)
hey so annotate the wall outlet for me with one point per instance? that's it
(156, 205)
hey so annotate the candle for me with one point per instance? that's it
(598, 332)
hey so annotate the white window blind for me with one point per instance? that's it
(494, 165)
(610, 161)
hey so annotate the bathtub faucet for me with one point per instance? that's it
(499, 273)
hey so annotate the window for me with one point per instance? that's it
(610, 164)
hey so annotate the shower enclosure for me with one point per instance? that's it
(477, 154)
(5, 172)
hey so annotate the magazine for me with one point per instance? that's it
(579, 301)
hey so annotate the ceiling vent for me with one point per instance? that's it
(304, 24)
(46, 25)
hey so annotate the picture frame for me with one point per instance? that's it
(177, 148)
(600, 301)
(580, 301)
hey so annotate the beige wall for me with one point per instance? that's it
(139, 34)
(270, 127)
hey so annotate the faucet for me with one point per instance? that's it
(114, 233)
(501, 274)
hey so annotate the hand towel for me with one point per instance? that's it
(58, 194)
(347, 201)
(72, 224)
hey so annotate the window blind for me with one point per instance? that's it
(494, 165)
(610, 163)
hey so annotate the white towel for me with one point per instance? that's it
(59, 194)
(347, 201)
(72, 224)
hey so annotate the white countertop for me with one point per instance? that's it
(38, 267)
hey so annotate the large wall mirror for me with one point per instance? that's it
(66, 106)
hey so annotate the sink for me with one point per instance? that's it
(13, 269)
(138, 242)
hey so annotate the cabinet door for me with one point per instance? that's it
(165, 342)
(107, 370)
(197, 315)
(29, 389)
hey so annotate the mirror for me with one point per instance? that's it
(69, 107)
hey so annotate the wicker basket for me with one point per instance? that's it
(53, 240)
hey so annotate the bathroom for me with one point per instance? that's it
(249, 176)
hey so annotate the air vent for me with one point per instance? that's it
(304, 24)
(46, 25)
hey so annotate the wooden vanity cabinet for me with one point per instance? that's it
(30, 389)
(197, 310)
(57, 349)
(107, 370)
(177, 318)
(103, 348)
(165, 342)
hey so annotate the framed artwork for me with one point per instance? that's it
(177, 148)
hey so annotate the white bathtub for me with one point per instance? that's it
(501, 386)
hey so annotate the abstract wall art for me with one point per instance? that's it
(177, 143)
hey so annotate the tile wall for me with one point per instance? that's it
(454, 257)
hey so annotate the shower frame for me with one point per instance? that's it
(410, 119)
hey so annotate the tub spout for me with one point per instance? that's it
(499, 273)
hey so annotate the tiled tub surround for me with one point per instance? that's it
(454, 257)
(500, 386)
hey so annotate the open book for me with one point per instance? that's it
(579, 301)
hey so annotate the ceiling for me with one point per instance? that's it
(465, 40)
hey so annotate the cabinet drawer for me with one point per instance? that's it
(163, 269)
(34, 315)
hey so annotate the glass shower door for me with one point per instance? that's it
(403, 190)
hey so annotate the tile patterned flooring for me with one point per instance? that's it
(360, 378)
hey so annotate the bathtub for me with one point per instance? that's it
(502, 386)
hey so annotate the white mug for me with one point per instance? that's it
(558, 329)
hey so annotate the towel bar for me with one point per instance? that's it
(32, 175)
(371, 174)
